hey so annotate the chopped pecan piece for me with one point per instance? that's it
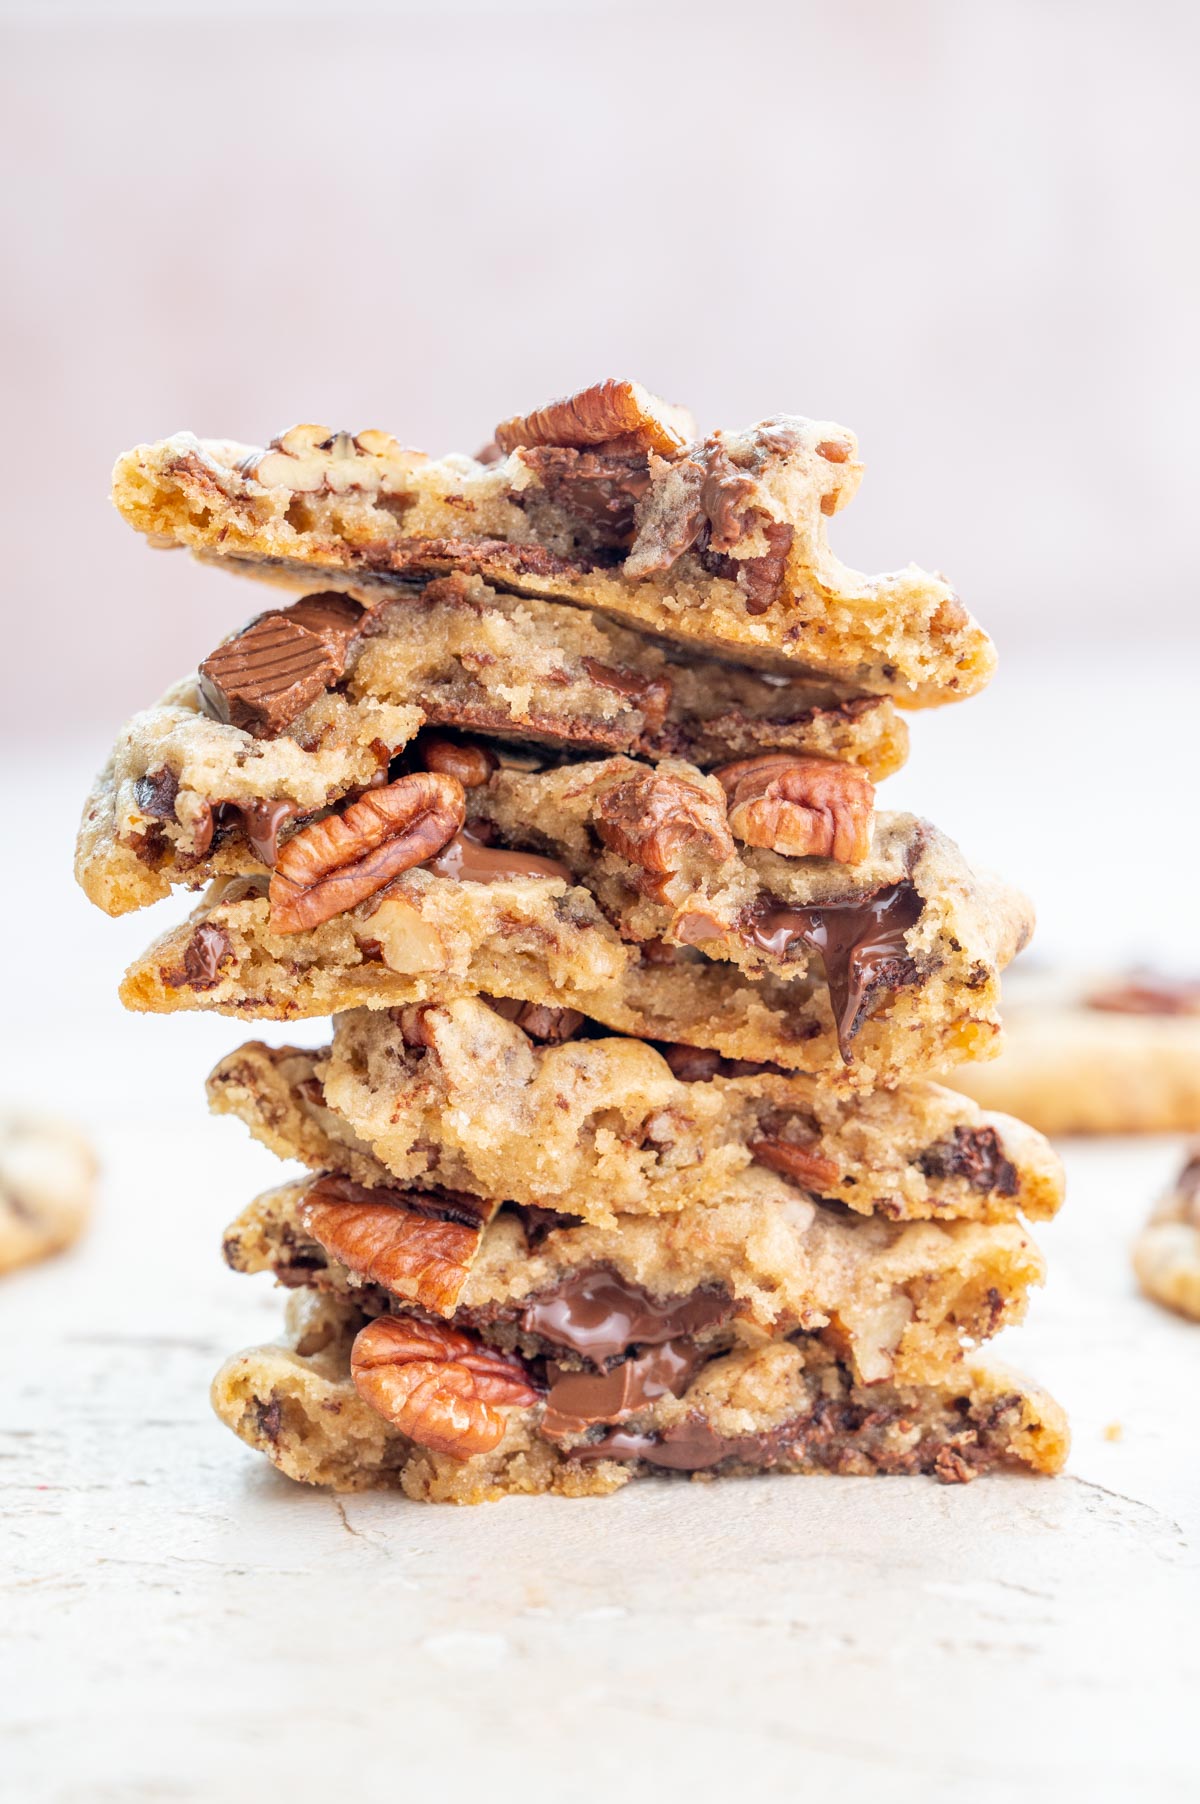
(801, 807)
(444, 1390)
(419, 1245)
(657, 819)
(311, 459)
(470, 764)
(332, 864)
(651, 695)
(796, 1159)
(595, 416)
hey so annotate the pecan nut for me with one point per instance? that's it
(419, 1245)
(650, 695)
(658, 820)
(310, 460)
(470, 764)
(443, 1389)
(598, 415)
(801, 807)
(796, 1159)
(332, 864)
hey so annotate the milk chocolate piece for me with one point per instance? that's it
(468, 860)
(601, 1315)
(687, 1447)
(203, 957)
(652, 695)
(580, 1400)
(538, 1019)
(599, 489)
(266, 675)
(861, 943)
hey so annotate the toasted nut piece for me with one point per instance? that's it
(330, 865)
(795, 1159)
(310, 459)
(417, 1245)
(692, 1064)
(652, 695)
(472, 765)
(594, 416)
(443, 1389)
(801, 807)
(655, 820)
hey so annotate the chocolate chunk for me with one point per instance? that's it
(269, 1417)
(692, 1064)
(541, 1022)
(580, 1400)
(467, 860)
(975, 1154)
(598, 489)
(261, 822)
(538, 1223)
(155, 794)
(266, 675)
(437, 1204)
(206, 952)
(599, 1314)
(861, 942)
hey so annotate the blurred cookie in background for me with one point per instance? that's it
(47, 1182)
(1166, 1254)
(1094, 1055)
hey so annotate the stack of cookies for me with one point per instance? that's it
(554, 786)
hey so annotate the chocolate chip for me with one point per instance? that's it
(206, 952)
(155, 794)
(975, 1154)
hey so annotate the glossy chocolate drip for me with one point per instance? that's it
(468, 860)
(687, 1447)
(861, 943)
(261, 823)
(601, 1315)
(580, 1400)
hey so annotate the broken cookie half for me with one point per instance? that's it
(717, 542)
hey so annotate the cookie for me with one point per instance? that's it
(1166, 1254)
(863, 973)
(1100, 1055)
(304, 706)
(788, 1406)
(47, 1178)
(717, 543)
(896, 1299)
(457, 1096)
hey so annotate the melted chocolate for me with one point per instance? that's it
(601, 1315)
(688, 1447)
(580, 1400)
(861, 943)
(469, 861)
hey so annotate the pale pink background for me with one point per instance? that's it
(966, 231)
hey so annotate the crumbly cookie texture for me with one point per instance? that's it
(1104, 1053)
(784, 1407)
(186, 797)
(718, 543)
(864, 975)
(47, 1180)
(1166, 1254)
(457, 1096)
(896, 1299)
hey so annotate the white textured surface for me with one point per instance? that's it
(178, 1623)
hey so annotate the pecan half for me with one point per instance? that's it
(471, 765)
(334, 863)
(594, 416)
(651, 695)
(312, 459)
(802, 807)
(657, 819)
(419, 1245)
(796, 1159)
(444, 1390)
